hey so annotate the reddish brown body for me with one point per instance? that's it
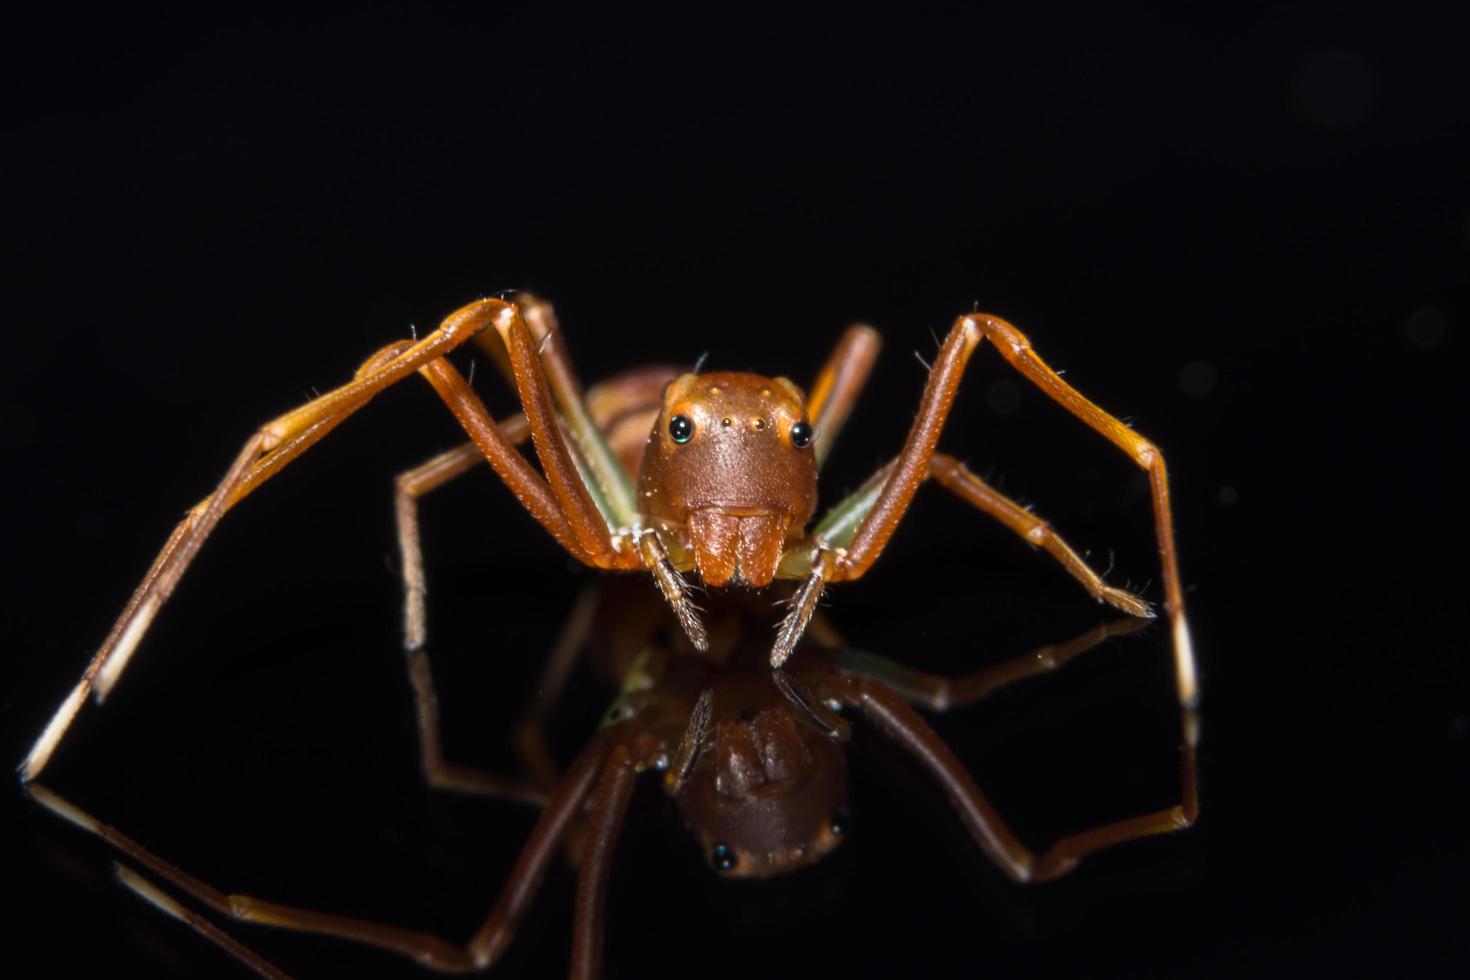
(738, 491)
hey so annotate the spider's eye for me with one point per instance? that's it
(801, 435)
(681, 428)
(841, 821)
(723, 858)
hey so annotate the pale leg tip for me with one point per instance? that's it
(1185, 665)
(40, 753)
(66, 811)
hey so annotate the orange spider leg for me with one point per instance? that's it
(1016, 349)
(591, 530)
(615, 489)
(951, 474)
(264, 454)
(439, 773)
(530, 735)
(914, 464)
(838, 384)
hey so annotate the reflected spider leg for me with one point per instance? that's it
(407, 488)
(949, 473)
(530, 732)
(603, 774)
(167, 904)
(891, 714)
(940, 693)
(874, 511)
(608, 807)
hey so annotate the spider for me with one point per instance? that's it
(706, 473)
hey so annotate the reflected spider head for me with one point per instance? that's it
(728, 475)
(768, 793)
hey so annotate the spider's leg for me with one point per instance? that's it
(612, 488)
(892, 716)
(883, 502)
(529, 487)
(839, 526)
(838, 384)
(938, 692)
(891, 497)
(949, 473)
(1016, 349)
(264, 454)
(674, 589)
(407, 489)
(530, 732)
(877, 507)
(608, 806)
(483, 949)
(170, 906)
(573, 494)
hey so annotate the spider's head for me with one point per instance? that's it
(729, 475)
(767, 793)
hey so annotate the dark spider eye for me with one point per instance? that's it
(681, 429)
(801, 435)
(722, 858)
(841, 821)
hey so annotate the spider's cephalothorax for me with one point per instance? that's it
(729, 475)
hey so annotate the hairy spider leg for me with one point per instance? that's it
(611, 486)
(264, 454)
(560, 501)
(1017, 351)
(838, 527)
(552, 448)
(951, 474)
(874, 510)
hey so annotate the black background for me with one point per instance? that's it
(1248, 233)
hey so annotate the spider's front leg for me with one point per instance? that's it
(560, 501)
(866, 520)
(264, 454)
